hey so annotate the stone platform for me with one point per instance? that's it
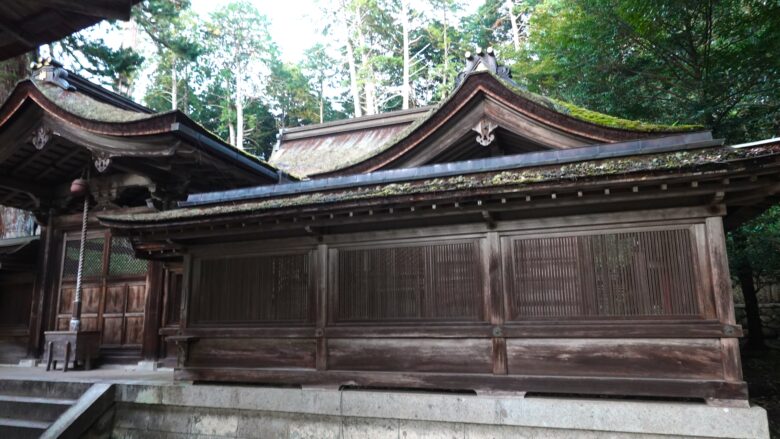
(151, 405)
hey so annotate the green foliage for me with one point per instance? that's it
(757, 245)
(116, 68)
(672, 62)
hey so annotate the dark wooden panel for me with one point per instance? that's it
(134, 330)
(172, 300)
(115, 299)
(668, 358)
(136, 298)
(254, 289)
(613, 275)
(88, 323)
(15, 301)
(66, 300)
(113, 327)
(419, 355)
(414, 282)
(90, 299)
(253, 353)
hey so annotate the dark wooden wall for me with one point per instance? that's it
(15, 302)
(629, 304)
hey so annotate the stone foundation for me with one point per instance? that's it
(183, 411)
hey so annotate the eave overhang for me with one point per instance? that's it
(27, 24)
(720, 177)
(35, 130)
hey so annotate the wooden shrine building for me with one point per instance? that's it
(55, 127)
(499, 241)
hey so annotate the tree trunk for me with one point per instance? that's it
(755, 338)
(513, 19)
(446, 52)
(231, 134)
(186, 94)
(174, 85)
(367, 70)
(239, 112)
(353, 81)
(405, 87)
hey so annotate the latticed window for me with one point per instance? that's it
(93, 258)
(420, 282)
(123, 260)
(611, 275)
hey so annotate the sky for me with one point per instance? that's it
(294, 23)
(294, 28)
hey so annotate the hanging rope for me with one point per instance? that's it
(75, 321)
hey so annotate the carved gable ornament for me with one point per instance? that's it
(41, 136)
(102, 161)
(484, 129)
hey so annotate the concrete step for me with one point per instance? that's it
(43, 389)
(33, 408)
(21, 429)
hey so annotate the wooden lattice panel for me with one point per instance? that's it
(413, 282)
(611, 275)
(273, 288)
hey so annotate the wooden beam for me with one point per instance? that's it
(111, 10)
(17, 33)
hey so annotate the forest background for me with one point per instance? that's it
(709, 62)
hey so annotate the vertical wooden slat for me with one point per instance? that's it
(721, 279)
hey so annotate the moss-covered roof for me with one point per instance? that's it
(86, 107)
(507, 181)
(341, 154)
(594, 117)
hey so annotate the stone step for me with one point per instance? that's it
(33, 408)
(21, 429)
(43, 389)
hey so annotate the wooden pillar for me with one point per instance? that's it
(43, 299)
(150, 348)
(494, 298)
(321, 306)
(724, 299)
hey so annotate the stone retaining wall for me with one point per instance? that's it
(211, 411)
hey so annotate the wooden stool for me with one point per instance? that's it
(82, 347)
